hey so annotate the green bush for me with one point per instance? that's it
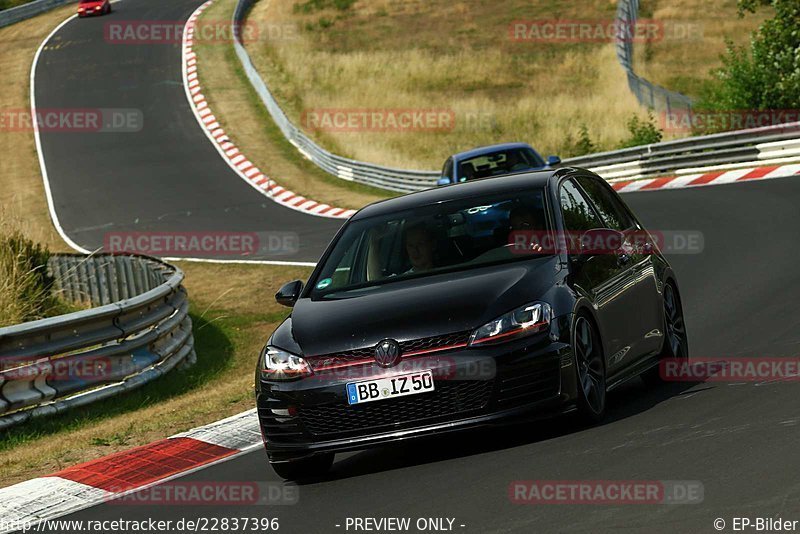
(767, 75)
(642, 132)
(578, 147)
(584, 144)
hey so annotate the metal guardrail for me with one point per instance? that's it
(648, 94)
(31, 9)
(662, 158)
(138, 330)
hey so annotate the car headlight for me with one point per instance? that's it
(277, 364)
(524, 321)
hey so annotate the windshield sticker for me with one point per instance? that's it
(322, 284)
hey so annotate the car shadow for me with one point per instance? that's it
(629, 399)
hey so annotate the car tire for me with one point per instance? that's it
(302, 468)
(676, 343)
(590, 370)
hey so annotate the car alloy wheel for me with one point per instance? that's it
(591, 370)
(676, 345)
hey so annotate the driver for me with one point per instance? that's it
(514, 162)
(420, 246)
(524, 225)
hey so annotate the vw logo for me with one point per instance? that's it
(387, 353)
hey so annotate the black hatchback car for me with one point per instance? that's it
(464, 305)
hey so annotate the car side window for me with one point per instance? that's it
(579, 215)
(447, 172)
(607, 204)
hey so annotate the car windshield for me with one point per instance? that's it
(500, 162)
(429, 240)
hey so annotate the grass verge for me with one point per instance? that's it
(321, 55)
(453, 56)
(249, 125)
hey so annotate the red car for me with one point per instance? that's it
(93, 7)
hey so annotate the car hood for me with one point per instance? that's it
(413, 309)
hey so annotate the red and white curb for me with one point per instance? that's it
(114, 476)
(245, 168)
(716, 177)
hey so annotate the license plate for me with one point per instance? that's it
(389, 387)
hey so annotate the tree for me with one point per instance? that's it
(767, 75)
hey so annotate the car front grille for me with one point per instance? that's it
(412, 347)
(448, 399)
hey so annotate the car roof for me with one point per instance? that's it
(471, 189)
(482, 151)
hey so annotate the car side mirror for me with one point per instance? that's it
(444, 180)
(553, 160)
(600, 241)
(288, 294)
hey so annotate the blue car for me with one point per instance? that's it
(494, 160)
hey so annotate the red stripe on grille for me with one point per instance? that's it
(435, 349)
(342, 365)
(371, 360)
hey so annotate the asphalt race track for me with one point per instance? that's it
(740, 441)
(740, 298)
(167, 177)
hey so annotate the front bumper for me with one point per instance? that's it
(91, 12)
(473, 387)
